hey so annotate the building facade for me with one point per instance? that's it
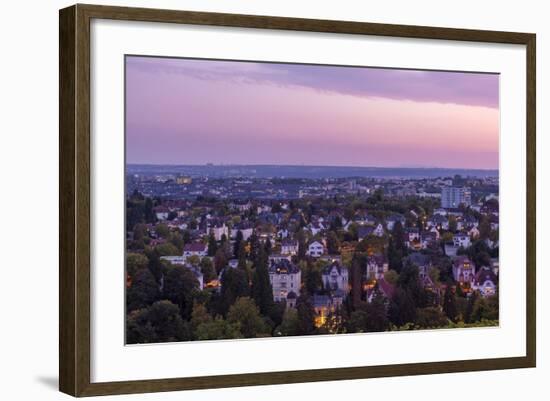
(453, 197)
(336, 277)
(286, 280)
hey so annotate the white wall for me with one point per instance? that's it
(28, 158)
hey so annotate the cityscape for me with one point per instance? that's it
(224, 241)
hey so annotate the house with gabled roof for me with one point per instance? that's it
(315, 249)
(464, 270)
(286, 280)
(461, 240)
(423, 262)
(364, 231)
(485, 282)
(393, 219)
(335, 277)
(428, 239)
(377, 265)
(195, 248)
(289, 247)
(383, 287)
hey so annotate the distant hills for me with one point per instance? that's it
(310, 172)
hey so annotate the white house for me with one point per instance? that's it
(464, 270)
(161, 212)
(461, 240)
(242, 206)
(336, 277)
(376, 267)
(394, 218)
(316, 228)
(219, 231)
(289, 247)
(175, 260)
(286, 280)
(315, 249)
(196, 248)
(378, 230)
(275, 257)
(245, 230)
(283, 233)
(485, 282)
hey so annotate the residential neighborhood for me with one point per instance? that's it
(225, 256)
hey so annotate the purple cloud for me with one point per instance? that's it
(475, 89)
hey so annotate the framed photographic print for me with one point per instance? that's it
(313, 200)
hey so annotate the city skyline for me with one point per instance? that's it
(195, 112)
(221, 164)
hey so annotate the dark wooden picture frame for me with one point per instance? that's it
(74, 203)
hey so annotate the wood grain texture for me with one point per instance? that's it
(67, 265)
(74, 198)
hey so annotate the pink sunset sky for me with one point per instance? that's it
(189, 111)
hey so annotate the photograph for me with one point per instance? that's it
(274, 199)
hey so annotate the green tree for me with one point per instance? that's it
(148, 213)
(312, 278)
(212, 244)
(377, 313)
(449, 304)
(217, 329)
(140, 232)
(143, 290)
(167, 249)
(208, 270)
(160, 322)
(302, 244)
(402, 309)
(358, 320)
(237, 245)
(333, 244)
(468, 315)
(268, 247)
(409, 281)
(452, 224)
(430, 317)
(186, 236)
(391, 277)
(194, 260)
(234, 285)
(135, 262)
(178, 241)
(369, 317)
(396, 248)
(199, 315)
(306, 315)
(290, 324)
(434, 274)
(485, 308)
(242, 255)
(162, 230)
(220, 260)
(255, 247)
(246, 314)
(262, 291)
(484, 228)
(179, 285)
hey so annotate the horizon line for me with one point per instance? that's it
(312, 165)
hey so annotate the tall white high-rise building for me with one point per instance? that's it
(452, 197)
